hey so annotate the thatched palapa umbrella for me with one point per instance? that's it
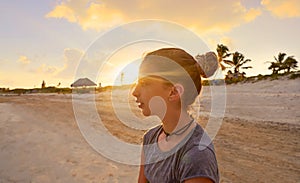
(83, 82)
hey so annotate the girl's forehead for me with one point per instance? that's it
(151, 78)
(162, 67)
(153, 65)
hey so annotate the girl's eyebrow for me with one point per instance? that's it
(158, 78)
(153, 79)
(145, 79)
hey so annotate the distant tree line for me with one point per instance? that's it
(237, 61)
(227, 60)
(283, 63)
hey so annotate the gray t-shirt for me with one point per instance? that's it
(189, 159)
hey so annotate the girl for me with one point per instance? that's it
(169, 82)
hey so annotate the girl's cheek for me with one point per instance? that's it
(157, 106)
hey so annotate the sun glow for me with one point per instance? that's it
(123, 65)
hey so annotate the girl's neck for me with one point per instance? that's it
(175, 121)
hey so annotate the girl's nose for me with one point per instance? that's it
(135, 91)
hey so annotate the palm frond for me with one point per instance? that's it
(227, 55)
(228, 62)
(245, 61)
(248, 67)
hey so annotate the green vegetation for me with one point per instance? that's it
(252, 79)
(50, 89)
(294, 75)
(222, 52)
(282, 66)
(238, 60)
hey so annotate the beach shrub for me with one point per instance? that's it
(234, 80)
(294, 76)
(19, 91)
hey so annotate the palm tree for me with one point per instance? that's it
(222, 51)
(290, 63)
(274, 67)
(279, 60)
(282, 63)
(43, 84)
(237, 62)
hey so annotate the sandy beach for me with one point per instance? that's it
(258, 140)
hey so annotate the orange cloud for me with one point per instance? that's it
(46, 69)
(204, 15)
(99, 17)
(251, 14)
(24, 60)
(63, 11)
(283, 9)
(95, 16)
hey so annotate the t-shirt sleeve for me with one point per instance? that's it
(199, 163)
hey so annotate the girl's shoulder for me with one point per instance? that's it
(151, 134)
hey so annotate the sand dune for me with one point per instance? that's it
(40, 141)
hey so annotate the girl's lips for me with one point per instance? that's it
(140, 104)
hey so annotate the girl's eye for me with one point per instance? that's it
(143, 83)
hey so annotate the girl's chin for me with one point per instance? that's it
(145, 113)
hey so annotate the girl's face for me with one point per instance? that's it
(152, 95)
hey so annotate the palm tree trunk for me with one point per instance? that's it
(236, 70)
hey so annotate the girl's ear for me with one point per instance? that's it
(176, 92)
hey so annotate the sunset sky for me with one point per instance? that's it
(44, 40)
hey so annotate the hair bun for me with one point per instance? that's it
(207, 64)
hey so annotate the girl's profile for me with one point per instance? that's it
(169, 81)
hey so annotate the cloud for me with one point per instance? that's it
(63, 11)
(95, 16)
(228, 42)
(283, 9)
(252, 14)
(23, 60)
(42, 69)
(46, 69)
(213, 40)
(71, 60)
(202, 15)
